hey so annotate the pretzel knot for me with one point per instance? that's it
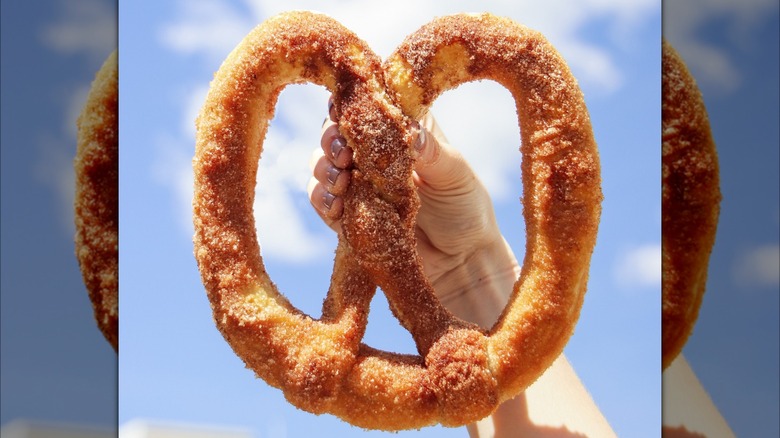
(462, 372)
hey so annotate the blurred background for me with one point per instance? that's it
(731, 48)
(55, 367)
(175, 366)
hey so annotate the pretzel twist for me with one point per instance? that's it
(461, 373)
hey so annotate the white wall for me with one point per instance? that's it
(131, 429)
(39, 429)
(152, 429)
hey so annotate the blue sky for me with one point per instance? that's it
(175, 366)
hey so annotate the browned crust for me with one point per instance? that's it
(561, 173)
(96, 201)
(690, 202)
(462, 373)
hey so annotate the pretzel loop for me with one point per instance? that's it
(462, 373)
(254, 317)
(562, 184)
(690, 202)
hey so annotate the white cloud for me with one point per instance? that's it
(54, 162)
(86, 27)
(75, 105)
(281, 200)
(710, 62)
(172, 167)
(193, 102)
(83, 28)
(758, 266)
(54, 169)
(640, 267)
(480, 120)
(214, 28)
(211, 29)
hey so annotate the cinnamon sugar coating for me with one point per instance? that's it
(690, 202)
(561, 173)
(461, 373)
(96, 207)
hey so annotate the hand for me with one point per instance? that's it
(471, 268)
(456, 230)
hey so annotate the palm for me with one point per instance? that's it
(452, 225)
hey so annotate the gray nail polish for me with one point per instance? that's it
(419, 143)
(333, 174)
(336, 146)
(327, 200)
(331, 110)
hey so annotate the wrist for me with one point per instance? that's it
(477, 290)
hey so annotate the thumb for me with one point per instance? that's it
(438, 166)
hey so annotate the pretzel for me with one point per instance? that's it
(462, 372)
(96, 206)
(690, 202)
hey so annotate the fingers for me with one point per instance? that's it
(327, 205)
(439, 169)
(334, 146)
(332, 143)
(438, 166)
(330, 175)
(334, 179)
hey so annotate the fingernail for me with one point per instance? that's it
(419, 143)
(331, 109)
(327, 200)
(336, 146)
(333, 174)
